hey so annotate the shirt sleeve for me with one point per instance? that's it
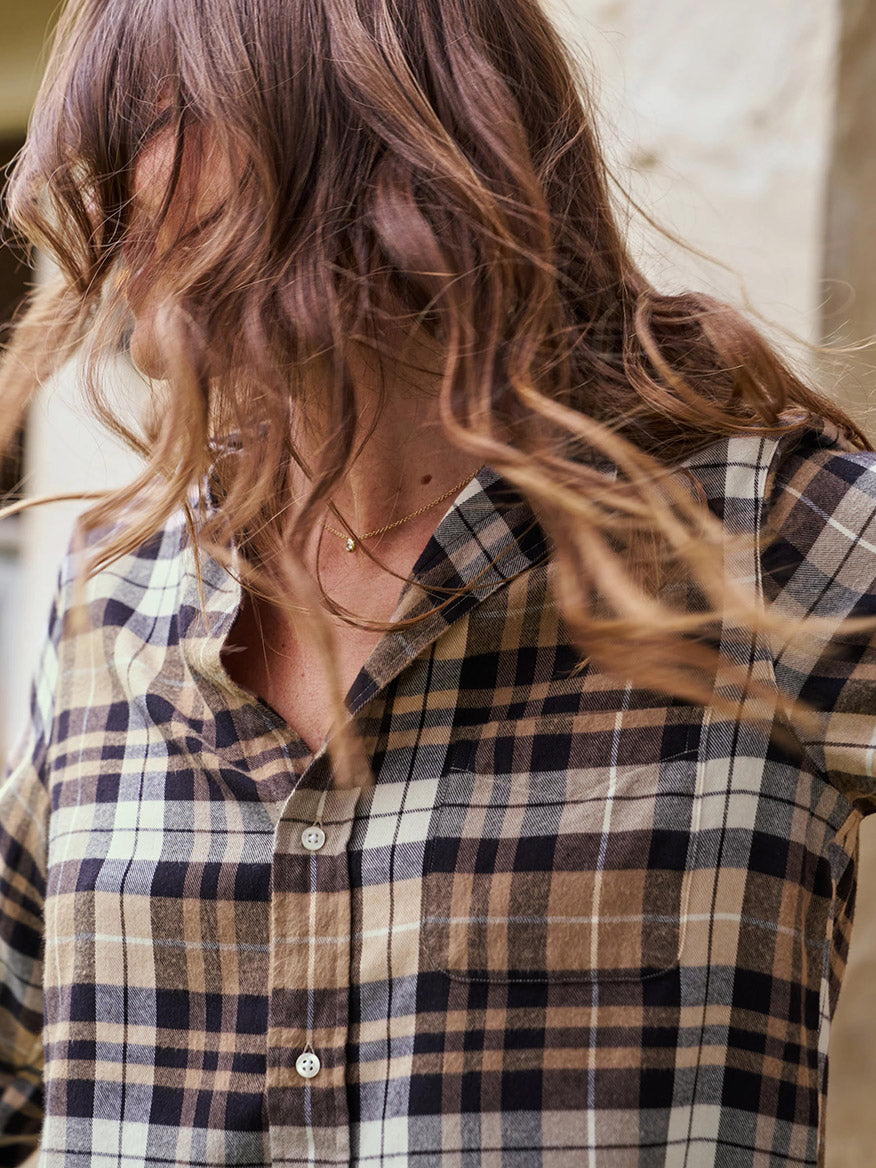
(821, 561)
(24, 808)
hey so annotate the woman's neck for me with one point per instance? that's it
(407, 461)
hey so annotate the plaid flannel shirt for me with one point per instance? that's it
(572, 923)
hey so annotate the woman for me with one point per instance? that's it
(352, 829)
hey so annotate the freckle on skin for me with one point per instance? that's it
(425, 480)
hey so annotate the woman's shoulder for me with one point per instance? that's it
(825, 473)
(115, 576)
(814, 466)
(142, 555)
(819, 553)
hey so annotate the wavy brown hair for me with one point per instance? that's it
(431, 168)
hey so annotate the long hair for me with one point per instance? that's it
(428, 168)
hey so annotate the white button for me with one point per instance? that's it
(307, 1064)
(313, 838)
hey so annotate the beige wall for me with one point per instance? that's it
(720, 116)
(23, 28)
(849, 262)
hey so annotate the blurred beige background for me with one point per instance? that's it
(747, 128)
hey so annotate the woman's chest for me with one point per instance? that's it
(303, 674)
(553, 829)
(535, 821)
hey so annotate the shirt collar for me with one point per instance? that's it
(488, 536)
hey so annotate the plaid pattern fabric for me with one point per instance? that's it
(572, 923)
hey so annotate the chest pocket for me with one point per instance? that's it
(539, 868)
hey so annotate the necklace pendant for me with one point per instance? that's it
(351, 544)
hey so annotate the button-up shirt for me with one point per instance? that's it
(571, 922)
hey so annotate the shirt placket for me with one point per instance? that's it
(310, 974)
(481, 544)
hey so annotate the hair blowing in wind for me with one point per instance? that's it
(394, 169)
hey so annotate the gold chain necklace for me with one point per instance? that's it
(352, 542)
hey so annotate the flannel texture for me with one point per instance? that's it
(572, 923)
